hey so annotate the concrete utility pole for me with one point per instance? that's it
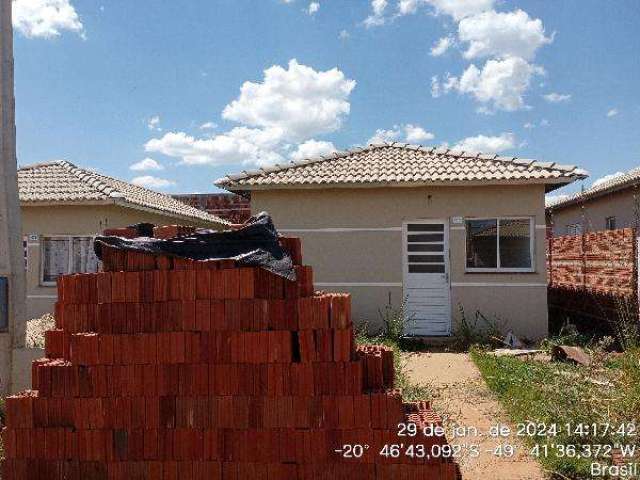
(12, 274)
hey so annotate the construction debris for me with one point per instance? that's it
(566, 353)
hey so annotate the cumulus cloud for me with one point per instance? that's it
(416, 134)
(487, 144)
(154, 123)
(554, 97)
(606, 179)
(408, 132)
(312, 149)
(502, 34)
(459, 9)
(612, 113)
(313, 8)
(376, 18)
(286, 110)
(299, 100)
(45, 18)
(385, 136)
(209, 126)
(344, 35)
(441, 46)
(149, 181)
(241, 145)
(146, 164)
(501, 84)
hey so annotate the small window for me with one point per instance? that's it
(64, 255)
(610, 223)
(500, 244)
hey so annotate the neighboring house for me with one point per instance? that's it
(234, 208)
(64, 206)
(607, 206)
(439, 229)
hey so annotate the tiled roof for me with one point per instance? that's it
(618, 182)
(393, 163)
(64, 182)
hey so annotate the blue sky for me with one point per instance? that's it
(107, 85)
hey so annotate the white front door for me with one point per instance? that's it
(426, 286)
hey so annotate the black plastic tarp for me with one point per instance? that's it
(255, 244)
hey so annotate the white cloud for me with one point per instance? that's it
(149, 181)
(286, 110)
(417, 134)
(241, 145)
(313, 8)
(146, 164)
(300, 101)
(501, 84)
(554, 97)
(441, 46)
(502, 34)
(410, 133)
(529, 125)
(544, 122)
(154, 123)
(209, 126)
(606, 178)
(45, 18)
(460, 9)
(313, 149)
(376, 18)
(344, 35)
(385, 136)
(612, 113)
(487, 144)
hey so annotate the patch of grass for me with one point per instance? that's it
(559, 393)
(477, 331)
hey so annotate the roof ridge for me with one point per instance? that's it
(92, 179)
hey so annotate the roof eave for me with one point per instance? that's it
(123, 202)
(554, 182)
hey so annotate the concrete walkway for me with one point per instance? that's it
(462, 398)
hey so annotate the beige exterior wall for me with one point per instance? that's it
(73, 220)
(592, 214)
(373, 259)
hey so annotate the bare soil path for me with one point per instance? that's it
(462, 398)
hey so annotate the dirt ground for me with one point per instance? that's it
(462, 398)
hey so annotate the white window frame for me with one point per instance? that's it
(69, 239)
(498, 268)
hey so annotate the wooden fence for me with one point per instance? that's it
(591, 275)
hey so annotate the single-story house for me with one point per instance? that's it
(435, 230)
(608, 205)
(63, 207)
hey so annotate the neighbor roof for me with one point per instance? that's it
(63, 182)
(614, 184)
(394, 164)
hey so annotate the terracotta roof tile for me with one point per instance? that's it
(64, 182)
(400, 163)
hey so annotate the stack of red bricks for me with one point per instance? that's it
(165, 368)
